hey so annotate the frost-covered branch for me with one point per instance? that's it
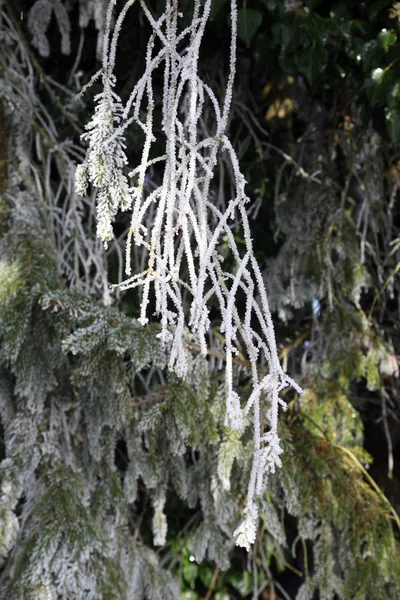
(178, 227)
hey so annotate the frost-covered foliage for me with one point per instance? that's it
(49, 171)
(184, 233)
(72, 513)
(41, 12)
(39, 19)
(119, 477)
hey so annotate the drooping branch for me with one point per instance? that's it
(178, 228)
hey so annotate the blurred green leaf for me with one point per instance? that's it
(372, 54)
(284, 36)
(288, 65)
(387, 39)
(190, 571)
(189, 595)
(270, 4)
(374, 8)
(205, 575)
(242, 582)
(262, 46)
(249, 20)
(311, 61)
(341, 18)
(216, 6)
(394, 96)
(392, 117)
(379, 85)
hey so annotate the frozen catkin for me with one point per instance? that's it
(177, 229)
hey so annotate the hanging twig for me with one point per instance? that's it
(212, 584)
(387, 434)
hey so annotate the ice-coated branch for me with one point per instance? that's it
(177, 227)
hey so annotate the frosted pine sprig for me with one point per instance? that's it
(246, 533)
(105, 160)
(177, 229)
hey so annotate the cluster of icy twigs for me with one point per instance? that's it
(178, 226)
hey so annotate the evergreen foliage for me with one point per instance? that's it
(121, 477)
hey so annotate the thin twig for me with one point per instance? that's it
(78, 56)
(372, 482)
(140, 519)
(387, 434)
(212, 584)
(383, 288)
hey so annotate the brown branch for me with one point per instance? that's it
(212, 584)
(150, 398)
(220, 355)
